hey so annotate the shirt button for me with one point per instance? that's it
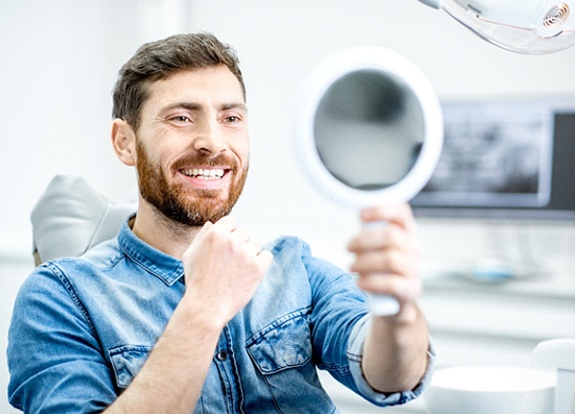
(222, 355)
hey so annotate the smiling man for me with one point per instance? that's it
(189, 182)
(183, 311)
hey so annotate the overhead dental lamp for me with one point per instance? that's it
(523, 26)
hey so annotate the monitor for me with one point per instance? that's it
(504, 159)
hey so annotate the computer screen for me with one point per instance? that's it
(504, 159)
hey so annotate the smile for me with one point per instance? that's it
(204, 174)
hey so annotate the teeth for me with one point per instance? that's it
(204, 173)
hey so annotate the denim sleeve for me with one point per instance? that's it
(340, 322)
(355, 353)
(56, 364)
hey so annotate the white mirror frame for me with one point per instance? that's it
(407, 74)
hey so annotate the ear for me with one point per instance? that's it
(124, 141)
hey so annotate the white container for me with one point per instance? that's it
(491, 390)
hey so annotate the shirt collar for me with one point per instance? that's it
(161, 265)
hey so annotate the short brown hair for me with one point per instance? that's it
(158, 60)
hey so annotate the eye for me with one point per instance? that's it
(181, 118)
(232, 119)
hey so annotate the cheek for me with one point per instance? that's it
(245, 159)
(157, 151)
(148, 159)
(242, 151)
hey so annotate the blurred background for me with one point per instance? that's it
(59, 65)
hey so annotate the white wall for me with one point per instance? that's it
(59, 62)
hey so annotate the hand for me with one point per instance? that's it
(388, 258)
(223, 268)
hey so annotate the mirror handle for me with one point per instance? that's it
(380, 305)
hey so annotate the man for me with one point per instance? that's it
(183, 311)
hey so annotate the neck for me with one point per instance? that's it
(162, 233)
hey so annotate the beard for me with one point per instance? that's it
(184, 205)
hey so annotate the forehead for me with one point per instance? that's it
(202, 85)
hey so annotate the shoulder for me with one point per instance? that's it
(286, 244)
(291, 251)
(100, 257)
(50, 296)
(62, 274)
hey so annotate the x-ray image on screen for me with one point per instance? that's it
(494, 154)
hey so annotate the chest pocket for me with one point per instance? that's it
(284, 344)
(127, 362)
(282, 353)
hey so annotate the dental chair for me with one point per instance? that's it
(71, 217)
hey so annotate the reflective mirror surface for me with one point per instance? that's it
(369, 129)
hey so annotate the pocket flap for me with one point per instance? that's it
(128, 361)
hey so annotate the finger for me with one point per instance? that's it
(204, 229)
(370, 238)
(226, 223)
(264, 258)
(405, 290)
(396, 261)
(399, 214)
(253, 246)
(392, 236)
(241, 235)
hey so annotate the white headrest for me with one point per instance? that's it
(71, 217)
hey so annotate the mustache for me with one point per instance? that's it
(220, 159)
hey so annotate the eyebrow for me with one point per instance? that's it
(192, 106)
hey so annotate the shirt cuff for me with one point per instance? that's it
(355, 355)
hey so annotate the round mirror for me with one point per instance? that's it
(369, 129)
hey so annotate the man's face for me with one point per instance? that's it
(192, 145)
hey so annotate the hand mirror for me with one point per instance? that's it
(369, 130)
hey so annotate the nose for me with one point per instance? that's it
(209, 138)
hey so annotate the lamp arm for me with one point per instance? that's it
(436, 4)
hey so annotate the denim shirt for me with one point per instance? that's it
(82, 328)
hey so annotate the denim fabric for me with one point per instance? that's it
(82, 328)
